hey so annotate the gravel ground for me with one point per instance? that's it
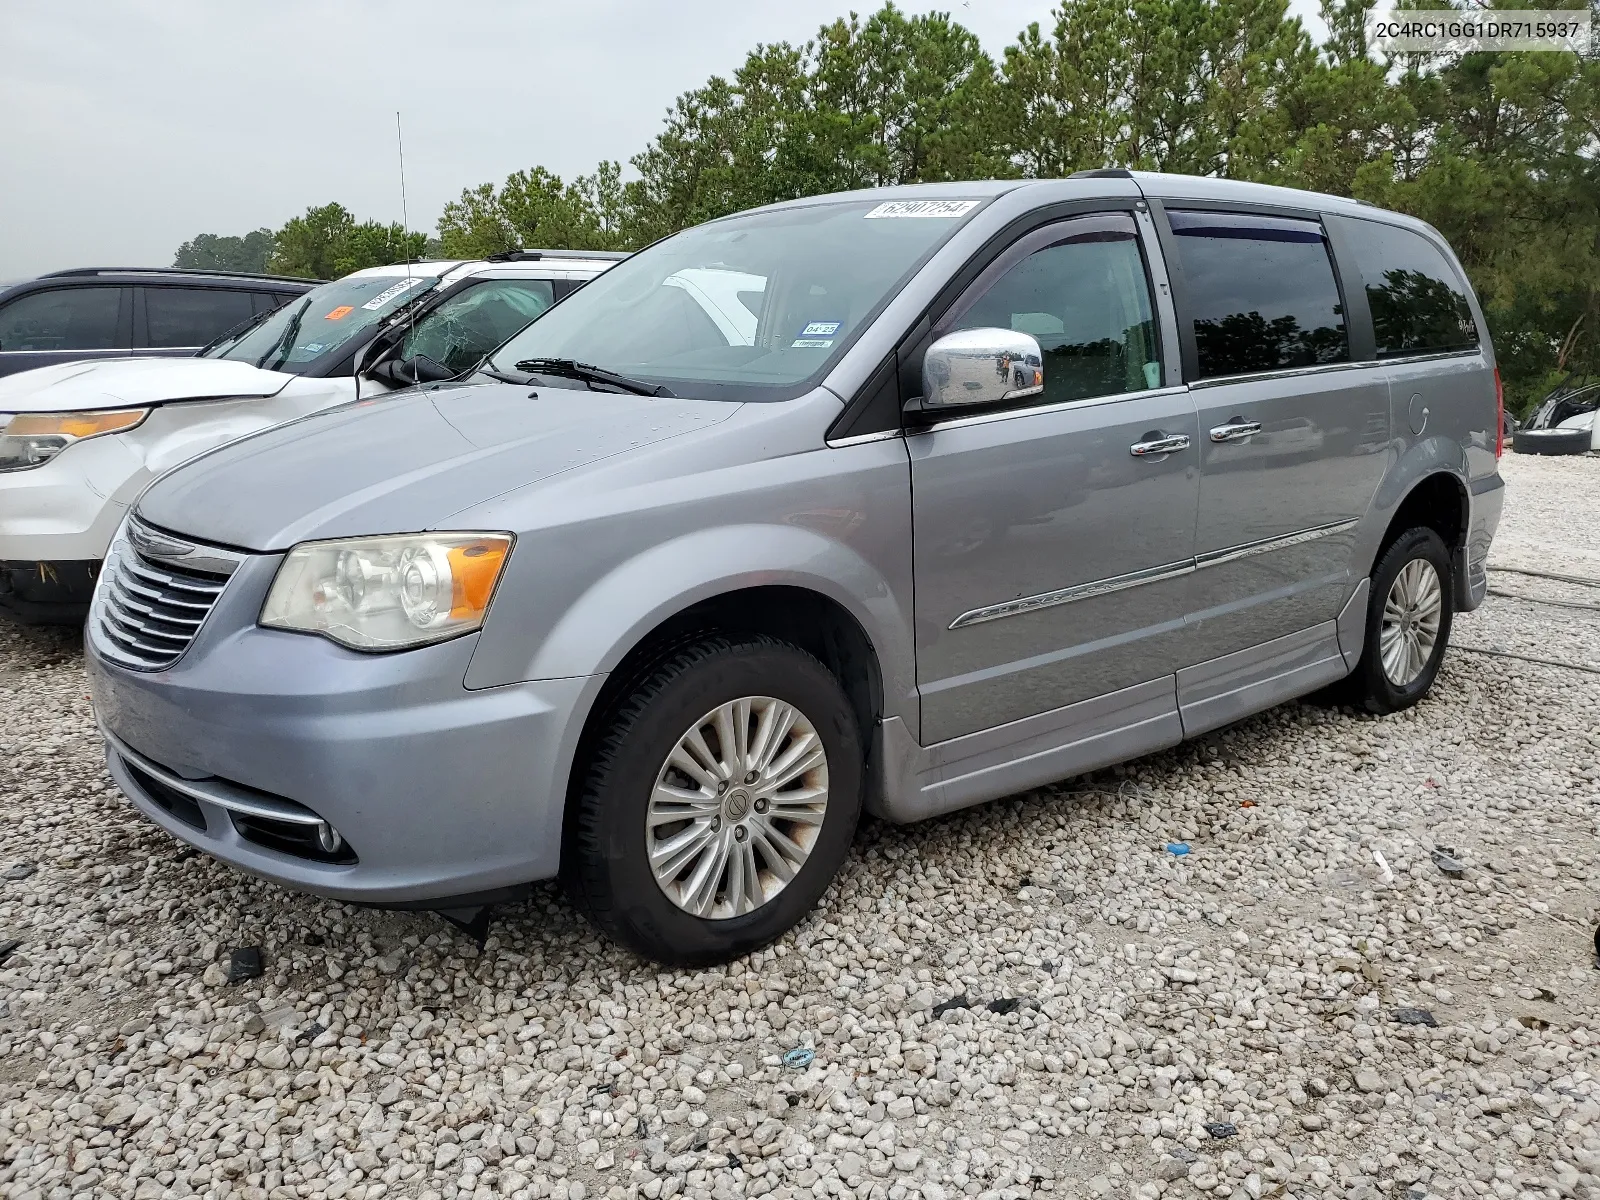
(1032, 997)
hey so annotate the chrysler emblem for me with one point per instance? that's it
(156, 546)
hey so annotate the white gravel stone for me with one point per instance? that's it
(1253, 982)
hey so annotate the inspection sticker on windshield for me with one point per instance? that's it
(923, 208)
(816, 335)
(389, 293)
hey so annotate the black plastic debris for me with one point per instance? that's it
(1415, 1016)
(950, 1005)
(20, 871)
(1547, 995)
(644, 1128)
(244, 963)
(474, 921)
(1597, 948)
(312, 1032)
(1449, 862)
(1221, 1129)
(734, 1160)
(6, 948)
(1006, 1004)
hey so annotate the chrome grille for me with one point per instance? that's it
(154, 593)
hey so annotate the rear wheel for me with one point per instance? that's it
(719, 802)
(1409, 613)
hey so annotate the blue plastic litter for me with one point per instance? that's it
(1178, 848)
(799, 1057)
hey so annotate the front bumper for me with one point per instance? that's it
(67, 509)
(436, 791)
(47, 593)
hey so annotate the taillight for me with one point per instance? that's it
(1499, 415)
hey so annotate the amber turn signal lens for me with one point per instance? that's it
(473, 571)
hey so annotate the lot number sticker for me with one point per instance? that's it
(389, 293)
(923, 208)
(340, 313)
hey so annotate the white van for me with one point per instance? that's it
(79, 441)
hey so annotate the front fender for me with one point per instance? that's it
(175, 433)
(621, 608)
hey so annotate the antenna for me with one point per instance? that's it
(405, 218)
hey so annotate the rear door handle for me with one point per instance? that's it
(1235, 431)
(1160, 445)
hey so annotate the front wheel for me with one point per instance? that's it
(1409, 613)
(719, 802)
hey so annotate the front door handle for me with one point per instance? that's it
(1160, 445)
(1235, 431)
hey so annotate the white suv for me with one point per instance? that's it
(79, 441)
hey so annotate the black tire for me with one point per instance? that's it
(1369, 686)
(605, 862)
(1551, 441)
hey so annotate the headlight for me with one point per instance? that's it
(387, 593)
(33, 439)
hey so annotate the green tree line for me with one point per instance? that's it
(1498, 151)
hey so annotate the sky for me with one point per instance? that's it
(135, 125)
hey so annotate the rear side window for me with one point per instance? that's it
(178, 317)
(1085, 298)
(82, 318)
(1419, 305)
(1261, 292)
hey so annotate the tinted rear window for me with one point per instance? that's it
(179, 317)
(68, 318)
(1419, 304)
(1260, 291)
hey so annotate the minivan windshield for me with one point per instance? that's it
(325, 318)
(750, 307)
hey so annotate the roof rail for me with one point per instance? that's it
(536, 255)
(1103, 173)
(178, 271)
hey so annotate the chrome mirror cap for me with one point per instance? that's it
(981, 366)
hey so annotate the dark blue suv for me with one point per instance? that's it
(114, 312)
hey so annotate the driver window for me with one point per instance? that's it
(1086, 299)
(476, 320)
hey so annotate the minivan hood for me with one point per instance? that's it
(134, 383)
(404, 462)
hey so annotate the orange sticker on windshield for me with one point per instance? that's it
(344, 310)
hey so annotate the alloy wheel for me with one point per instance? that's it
(737, 807)
(1411, 615)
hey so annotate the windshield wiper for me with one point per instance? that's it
(486, 369)
(590, 374)
(286, 341)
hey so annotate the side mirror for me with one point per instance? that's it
(423, 369)
(407, 372)
(972, 367)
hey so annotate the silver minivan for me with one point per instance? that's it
(888, 502)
